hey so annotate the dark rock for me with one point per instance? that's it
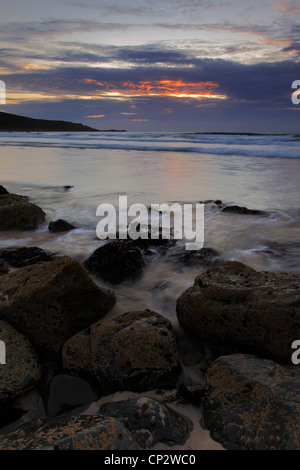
(21, 372)
(116, 261)
(18, 214)
(67, 187)
(60, 225)
(242, 210)
(25, 256)
(51, 301)
(65, 393)
(3, 190)
(70, 433)
(146, 244)
(253, 404)
(192, 394)
(234, 306)
(150, 421)
(3, 268)
(135, 351)
(9, 413)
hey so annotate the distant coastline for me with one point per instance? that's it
(15, 123)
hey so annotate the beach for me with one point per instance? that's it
(248, 184)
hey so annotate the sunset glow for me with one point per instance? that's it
(209, 64)
(174, 88)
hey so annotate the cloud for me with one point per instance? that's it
(287, 6)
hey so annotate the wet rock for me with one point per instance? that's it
(25, 256)
(116, 261)
(3, 190)
(150, 421)
(192, 394)
(253, 404)
(70, 433)
(51, 301)
(147, 245)
(21, 372)
(242, 210)
(205, 257)
(243, 310)
(18, 214)
(65, 393)
(60, 225)
(135, 351)
(3, 268)
(9, 413)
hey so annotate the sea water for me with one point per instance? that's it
(70, 174)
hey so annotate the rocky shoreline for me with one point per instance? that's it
(61, 342)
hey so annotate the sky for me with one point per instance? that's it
(151, 66)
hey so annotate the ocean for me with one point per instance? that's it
(255, 171)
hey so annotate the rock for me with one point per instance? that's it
(51, 301)
(150, 421)
(147, 244)
(242, 210)
(3, 268)
(65, 393)
(18, 214)
(3, 190)
(192, 394)
(116, 261)
(233, 306)
(9, 413)
(205, 257)
(60, 225)
(70, 433)
(21, 372)
(25, 256)
(253, 404)
(135, 351)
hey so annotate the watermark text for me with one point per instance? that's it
(2, 92)
(166, 221)
(296, 354)
(296, 94)
(2, 353)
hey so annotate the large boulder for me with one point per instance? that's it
(150, 421)
(21, 372)
(243, 310)
(116, 261)
(134, 351)
(51, 301)
(70, 433)
(18, 214)
(253, 404)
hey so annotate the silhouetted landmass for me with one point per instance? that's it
(14, 123)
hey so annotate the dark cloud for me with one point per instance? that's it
(257, 83)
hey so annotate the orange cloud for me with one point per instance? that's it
(176, 88)
(275, 41)
(96, 116)
(35, 67)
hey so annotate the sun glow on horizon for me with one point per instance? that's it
(172, 88)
